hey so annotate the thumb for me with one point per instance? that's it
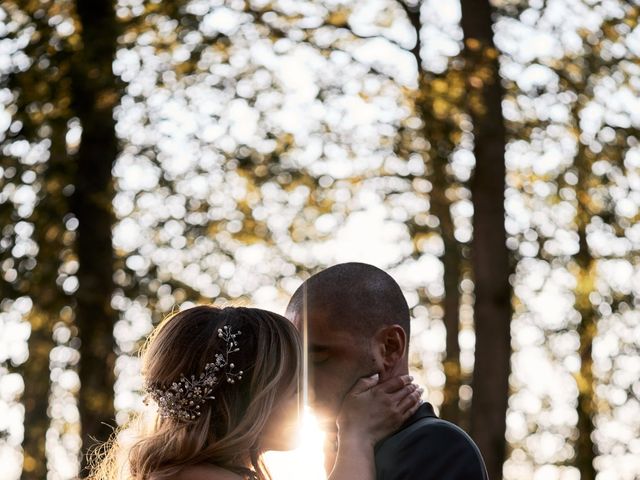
(364, 384)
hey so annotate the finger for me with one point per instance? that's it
(364, 384)
(411, 402)
(398, 396)
(408, 413)
(396, 383)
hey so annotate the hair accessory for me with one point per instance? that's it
(183, 399)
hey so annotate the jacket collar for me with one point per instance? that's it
(425, 410)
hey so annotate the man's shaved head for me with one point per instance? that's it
(357, 325)
(356, 297)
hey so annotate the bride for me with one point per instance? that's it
(223, 388)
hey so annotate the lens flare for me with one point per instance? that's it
(307, 460)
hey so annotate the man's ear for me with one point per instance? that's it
(391, 345)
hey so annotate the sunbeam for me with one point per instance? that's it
(307, 460)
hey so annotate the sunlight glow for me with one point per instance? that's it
(307, 460)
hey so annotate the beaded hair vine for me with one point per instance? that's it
(184, 398)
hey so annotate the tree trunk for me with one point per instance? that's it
(587, 328)
(441, 148)
(39, 87)
(96, 93)
(490, 257)
(452, 274)
(35, 374)
(439, 134)
(47, 299)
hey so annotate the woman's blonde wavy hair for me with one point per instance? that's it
(228, 432)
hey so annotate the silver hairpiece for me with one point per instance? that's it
(183, 399)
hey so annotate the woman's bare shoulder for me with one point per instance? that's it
(206, 472)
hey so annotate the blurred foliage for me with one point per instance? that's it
(254, 134)
(36, 241)
(573, 141)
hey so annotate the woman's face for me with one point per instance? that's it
(282, 429)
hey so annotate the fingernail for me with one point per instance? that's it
(410, 378)
(375, 376)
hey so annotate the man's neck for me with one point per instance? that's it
(401, 368)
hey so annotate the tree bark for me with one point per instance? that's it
(439, 134)
(452, 260)
(587, 328)
(48, 299)
(34, 96)
(441, 148)
(96, 92)
(490, 257)
(35, 374)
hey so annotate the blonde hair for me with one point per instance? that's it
(228, 432)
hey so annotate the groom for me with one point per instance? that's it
(358, 325)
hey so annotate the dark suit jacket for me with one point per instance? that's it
(427, 448)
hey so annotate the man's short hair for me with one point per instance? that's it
(356, 297)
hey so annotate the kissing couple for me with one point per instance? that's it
(225, 387)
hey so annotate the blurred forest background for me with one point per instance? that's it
(163, 153)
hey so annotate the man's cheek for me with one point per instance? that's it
(324, 388)
(320, 383)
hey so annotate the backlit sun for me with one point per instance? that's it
(307, 460)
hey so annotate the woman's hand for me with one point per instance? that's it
(372, 411)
